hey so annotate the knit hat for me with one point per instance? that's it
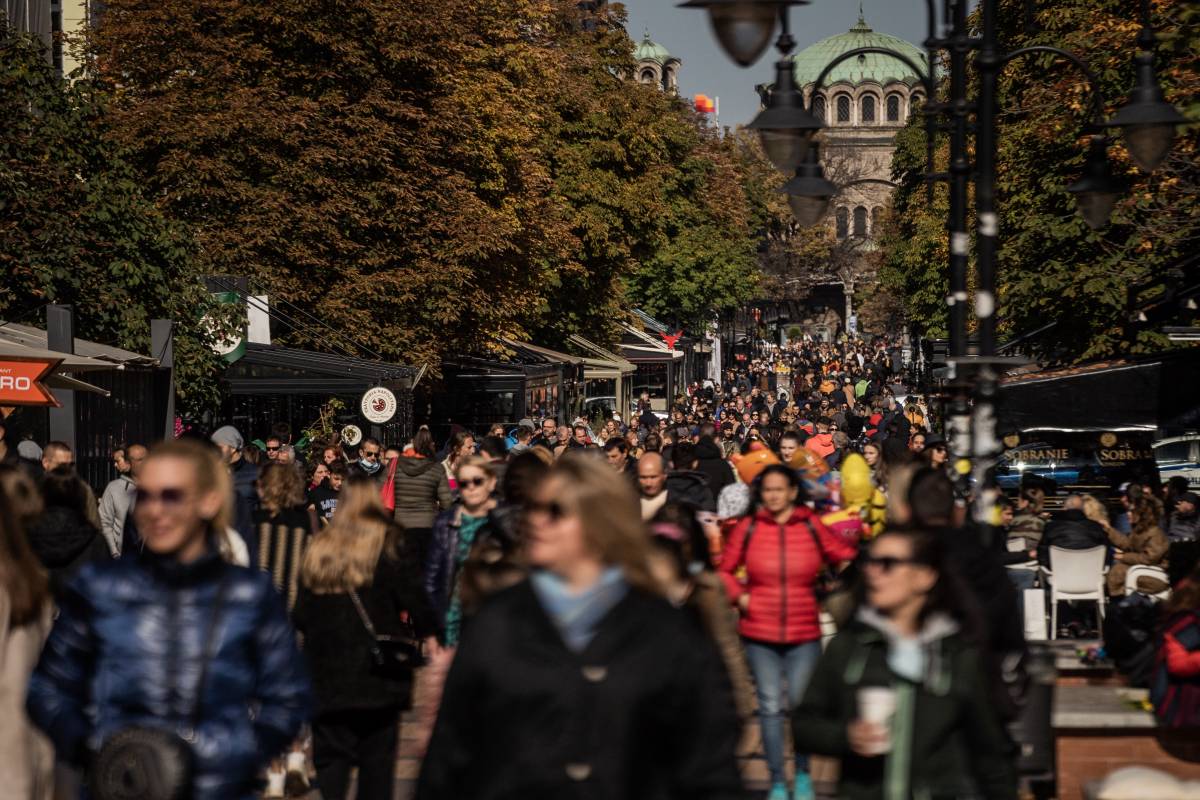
(227, 435)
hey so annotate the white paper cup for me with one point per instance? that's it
(877, 705)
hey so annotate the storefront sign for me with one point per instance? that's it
(21, 381)
(378, 405)
(352, 435)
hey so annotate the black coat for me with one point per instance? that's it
(337, 645)
(714, 466)
(1071, 530)
(64, 540)
(689, 486)
(643, 713)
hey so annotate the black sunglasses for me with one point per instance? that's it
(272, 449)
(473, 482)
(168, 497)
(887, 563)
(553, 509)
(370, 454)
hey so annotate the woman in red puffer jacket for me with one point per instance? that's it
(783, 546)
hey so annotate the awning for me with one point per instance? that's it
(1154, 394)
(65, 362)
(107, 355)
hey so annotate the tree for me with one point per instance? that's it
(76, 228)
(1051, 267)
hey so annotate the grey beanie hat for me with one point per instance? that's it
(228, 436)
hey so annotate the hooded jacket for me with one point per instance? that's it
(713, 464)
(782, 563)
(64, 540)
(691, 487)
(947, 740)
(821, 444)
(115, 504)
(422, 490)
(126, 650)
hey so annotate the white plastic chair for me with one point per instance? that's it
(1076, 575)
(1139, 570)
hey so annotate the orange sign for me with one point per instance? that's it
(21, 381)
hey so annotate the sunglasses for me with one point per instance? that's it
(553, 509)
(474, 483)
(272, 449)
(168, 497)
(370, 454)
(887, 563)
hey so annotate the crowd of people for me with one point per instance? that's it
(596, 610)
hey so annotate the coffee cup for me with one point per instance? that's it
(877, 705)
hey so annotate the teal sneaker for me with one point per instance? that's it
(803, 788)
(778, 792)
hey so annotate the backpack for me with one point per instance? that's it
(1176, 700)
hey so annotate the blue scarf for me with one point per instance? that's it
(577, 615)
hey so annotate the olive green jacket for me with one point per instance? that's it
(947, 739)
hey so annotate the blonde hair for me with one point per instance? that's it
(478, 462)
(281, 487)
(343, 555)
(211, 476)
(1094, 510)
(608, 509)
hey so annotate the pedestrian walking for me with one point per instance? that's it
(117, 498)
(284, 523)
(783, 548)
(903, 695)
(422, 491)
(172, 662)
(359, 579)
(583, 678)
(62, 536)
(27, 768)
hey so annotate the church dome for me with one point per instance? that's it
(649, 50)
(877, 67)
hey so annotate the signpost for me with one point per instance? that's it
(21, 381)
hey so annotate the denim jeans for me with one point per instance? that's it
(777, 667)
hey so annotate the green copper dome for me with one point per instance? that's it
(648, 50)
(877, 67)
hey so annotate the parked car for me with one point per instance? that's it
(1179, 455)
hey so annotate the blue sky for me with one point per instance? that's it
(706, 69)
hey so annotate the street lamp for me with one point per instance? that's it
(1147, 120)
(785, 127)
(743, 27)
(1098, 190)
(809, 192)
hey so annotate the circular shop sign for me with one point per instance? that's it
(352, 435)
(378, 405)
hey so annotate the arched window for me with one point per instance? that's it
(876, 220)
(648, 76)
(893, 108)
(868, 108)
(843, 108)
(914, 104)
(843, 222)
(860, 221)
(818, 107)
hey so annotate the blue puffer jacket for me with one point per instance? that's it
(126, 650)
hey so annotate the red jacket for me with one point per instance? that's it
(782, 563)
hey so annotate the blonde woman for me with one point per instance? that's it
(361, 560)
(583, 675)
(283, 525)
(173, 638)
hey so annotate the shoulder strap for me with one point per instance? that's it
(210, 643)
(746, 543)
(362, 614)
(816, 540)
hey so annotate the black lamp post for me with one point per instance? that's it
(785, 127)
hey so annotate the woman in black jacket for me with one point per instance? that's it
(62, 536)
(904, 695)
(358, 709)
(582, 680)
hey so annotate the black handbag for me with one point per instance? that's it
(392, 657)
(145, 763)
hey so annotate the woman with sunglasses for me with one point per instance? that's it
(174, 639)
(783, 547)
(583, 679)
(903, 695)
